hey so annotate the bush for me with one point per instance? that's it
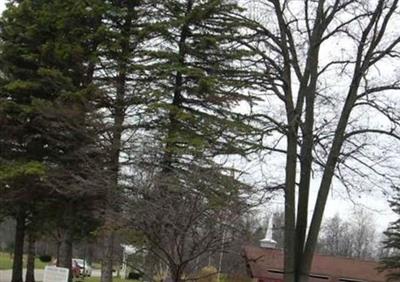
(45, 258)
(135, 276)
(208, 274)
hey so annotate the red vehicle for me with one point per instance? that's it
(76, 270)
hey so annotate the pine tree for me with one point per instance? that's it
(199, 80)
(195, 75)
(120, 76)
(391, 262)
(47, 135)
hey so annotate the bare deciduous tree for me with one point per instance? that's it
(188, 218)
(336, 239)
(319, 66)
(349, 238)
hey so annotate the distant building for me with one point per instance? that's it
(266, 265)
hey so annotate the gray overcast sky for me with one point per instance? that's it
(339, 204)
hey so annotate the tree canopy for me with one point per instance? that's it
(121, 109)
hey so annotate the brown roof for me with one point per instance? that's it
(260, 260)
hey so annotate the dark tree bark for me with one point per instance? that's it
(107, 263)
(58, 245)
(65, 252)
(176, 273)
(30, 265)
(119, 108)
(19, 246)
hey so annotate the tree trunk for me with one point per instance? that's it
(30, 265)
(65, 252)
(19, 246)
(289, 236)
(119, 118)
(302, 277)
(58, 245)
(176, 274)
(107, 263)
(327, 176)
(292, 115)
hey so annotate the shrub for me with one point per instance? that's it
(45, 258)
(208, 274)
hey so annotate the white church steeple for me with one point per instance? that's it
(268, 242)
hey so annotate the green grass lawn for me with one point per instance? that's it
(97, 279)
(6, 262)
(96, 265)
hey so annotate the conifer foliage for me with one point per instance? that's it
(391, 262)
(198, 71)
(47, 119)
(92, 89)
(195, 88)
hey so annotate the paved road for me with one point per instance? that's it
(5, 275)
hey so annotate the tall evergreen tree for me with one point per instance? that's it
(120, 76)
(197, 66)
(391, 262)
(195, 86)
(47, 64)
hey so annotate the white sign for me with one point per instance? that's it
(55, 274)
(129, 249)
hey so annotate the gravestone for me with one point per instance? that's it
(55, 274)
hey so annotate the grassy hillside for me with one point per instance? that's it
(6, 262)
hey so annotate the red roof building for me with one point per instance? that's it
(266, 264)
